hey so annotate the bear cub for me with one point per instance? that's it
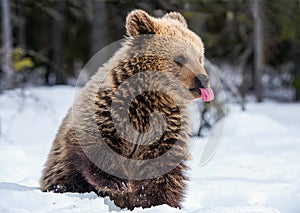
(126, 137)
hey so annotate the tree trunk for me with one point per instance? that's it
(21, 33)
(57, 43)
(295, 47)
(296, 70)
(258, 48)
(99, 23)
(7, 81)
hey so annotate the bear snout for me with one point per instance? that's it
(201, 81)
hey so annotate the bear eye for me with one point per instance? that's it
(180, 60)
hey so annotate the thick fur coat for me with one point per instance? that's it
(78, 160)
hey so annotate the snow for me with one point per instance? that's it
(256, 168)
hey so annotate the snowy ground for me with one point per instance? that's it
(256, 168)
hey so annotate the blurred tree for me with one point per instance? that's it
(99, 31)
(77, 37)
(258, 47)
(229, 29)
(20, 25)
(295, 43)
(7, 81)
(283, 43)
(57, 42)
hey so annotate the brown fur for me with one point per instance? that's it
(68, 168)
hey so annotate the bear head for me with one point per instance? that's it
(177, 49)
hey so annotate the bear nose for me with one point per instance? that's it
(201, 81)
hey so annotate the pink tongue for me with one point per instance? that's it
(207, 94)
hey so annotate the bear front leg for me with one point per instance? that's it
(61, 176)
(60, 173)
(166, 189)
(104, 183)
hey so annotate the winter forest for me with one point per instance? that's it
(252, 52)
(48, 42)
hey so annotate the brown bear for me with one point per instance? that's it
(127, 137)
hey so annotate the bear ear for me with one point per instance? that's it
(139, 22)
(176, 16)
